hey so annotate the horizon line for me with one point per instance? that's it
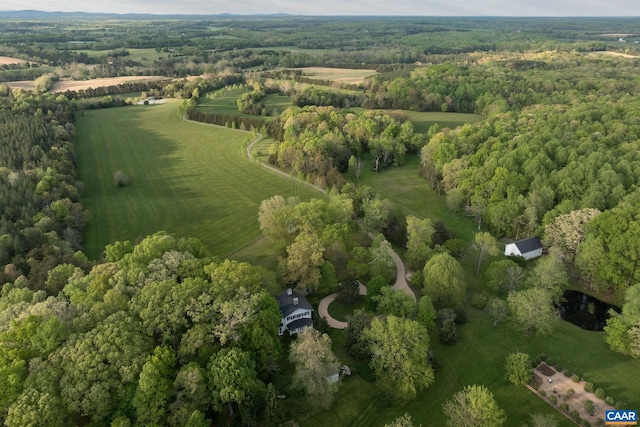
(313, 15)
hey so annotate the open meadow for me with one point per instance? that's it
(478, 357)
(186, 178)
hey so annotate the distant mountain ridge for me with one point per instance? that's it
(38, 14)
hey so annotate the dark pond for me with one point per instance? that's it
(584, 311)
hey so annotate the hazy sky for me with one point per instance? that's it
(343, 7)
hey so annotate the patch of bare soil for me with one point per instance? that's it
(615, 35)
(546, 370)
(64, 85)
(618, 54)
(570, 392)
(537, 379)
(6, 60)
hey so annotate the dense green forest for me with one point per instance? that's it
(158, 332)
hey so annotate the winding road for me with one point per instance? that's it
(323, 308)
(400, 285)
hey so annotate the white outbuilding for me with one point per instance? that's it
(527, 248)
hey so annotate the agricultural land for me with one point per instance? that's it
(168, 183)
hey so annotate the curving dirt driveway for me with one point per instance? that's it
(323, 309)
(401, 277)
(400, 285)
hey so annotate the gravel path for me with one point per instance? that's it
(401, 277)
(323, 309)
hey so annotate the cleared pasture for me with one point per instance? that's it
(145, 56)
(186, 178)
(423, 120)
(479, 357)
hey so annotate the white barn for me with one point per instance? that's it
(296, 312)
(527, 248)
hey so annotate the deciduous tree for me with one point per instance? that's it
(443, 281)
(484, 244)
(533, 311)
(420, 234)
(399, 349)
(233, 379)
(473, 406)
(155, 387)
(517, 368)
(314, 364)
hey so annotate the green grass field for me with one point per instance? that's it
(423, 120)
(144, 56)
(478, 357)
(413, 195)
(186, 178)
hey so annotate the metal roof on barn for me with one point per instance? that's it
(528, 245)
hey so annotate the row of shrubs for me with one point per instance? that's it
(588, 386)
(573, 413)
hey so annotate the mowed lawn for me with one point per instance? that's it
(186, 178)
(478, 358)
(411, 193)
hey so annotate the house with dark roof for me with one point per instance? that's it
(296, 312)
(527, 248)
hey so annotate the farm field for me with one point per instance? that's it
(422, 121)
(144, 56)
(186, 178)
(360, 403)
(64, 85)
(6, 60)
(338, 75)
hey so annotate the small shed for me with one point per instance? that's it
(527, 248)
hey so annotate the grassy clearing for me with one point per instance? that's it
(478, 358)
(340, 311)
(423, 120)
(414, 196)
(482, 348)
(185, 178)
(144, 56)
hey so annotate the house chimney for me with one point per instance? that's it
(295, 301)
(289, 291)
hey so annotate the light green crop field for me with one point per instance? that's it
(144, 56)
(186, 178)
